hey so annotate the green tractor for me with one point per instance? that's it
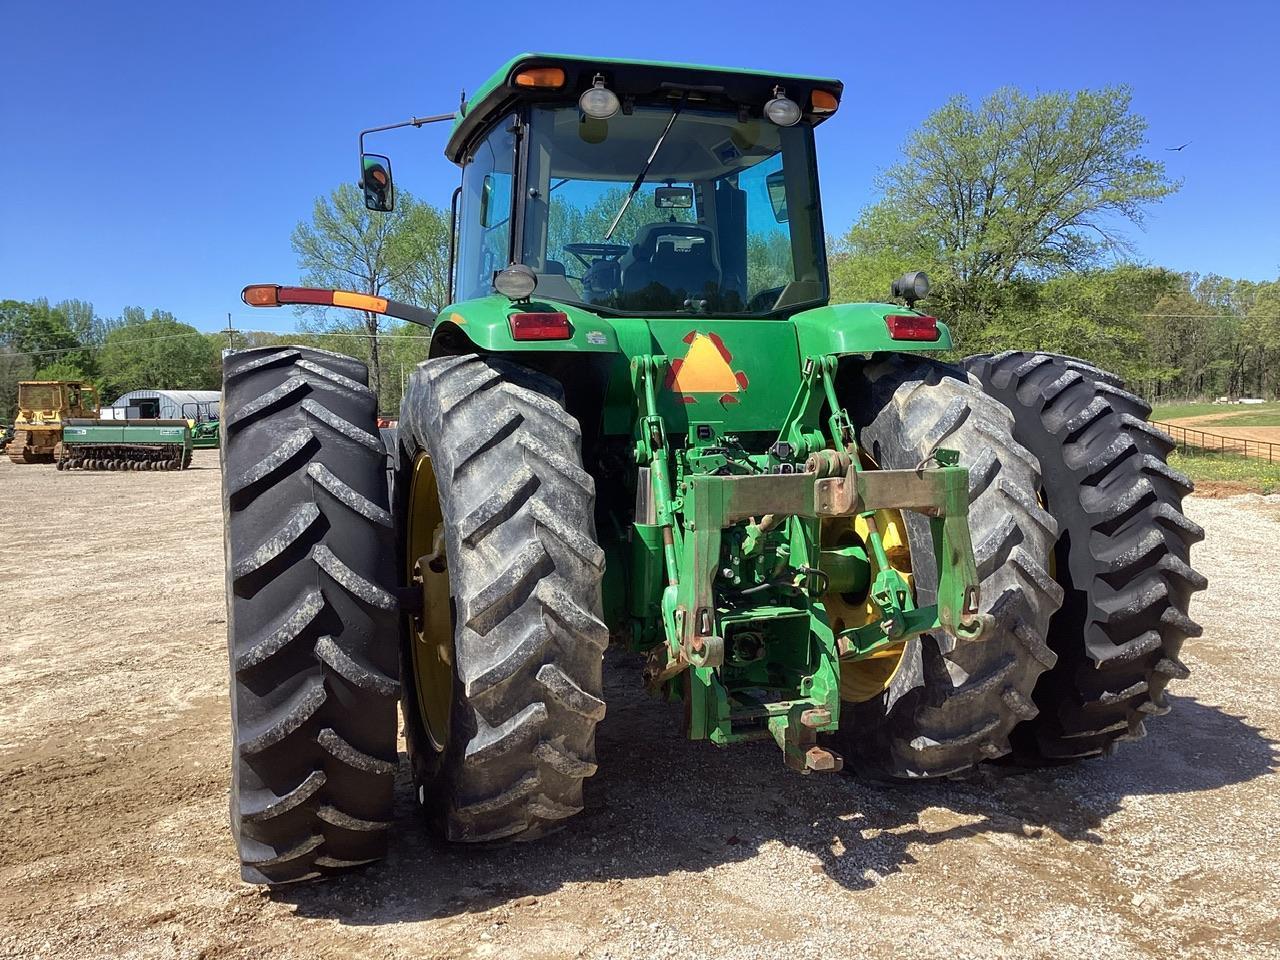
(202, 417)
(643, 423)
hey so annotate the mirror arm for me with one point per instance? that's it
(411, 122)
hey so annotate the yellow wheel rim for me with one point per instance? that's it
(431, 632)
(862, 680)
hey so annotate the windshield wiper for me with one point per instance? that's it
(635, 187)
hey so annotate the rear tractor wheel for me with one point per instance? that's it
(1122, 557)
(933, 707)
(502, 662)
(311, 614)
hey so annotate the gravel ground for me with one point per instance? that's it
(114, 766)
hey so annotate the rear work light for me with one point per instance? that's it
(911, 326)
(540, 326)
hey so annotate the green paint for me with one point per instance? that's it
(128, 431)
(95, 444)
(729, 425)
(742, 611)
(206, 435)
(492, 95)
(845, 328)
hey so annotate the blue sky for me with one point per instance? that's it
(159, 154)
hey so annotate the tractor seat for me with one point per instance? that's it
(675, 260)
(553, 284)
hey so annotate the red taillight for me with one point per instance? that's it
(540, 326)
(322, 298)
(911, 326)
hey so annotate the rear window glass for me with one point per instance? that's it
(38, 396)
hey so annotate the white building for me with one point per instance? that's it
(164, 405)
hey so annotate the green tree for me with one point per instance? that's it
(1264, 318)
(418, 255)
(14, 367)
(1018, 185)
(89, 328)
(1099, 315)
(345, 246)
(156, 352)
(39, 341)
(404, 348)
(62, 370)
(42, 332)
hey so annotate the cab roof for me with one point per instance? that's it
(631, 80)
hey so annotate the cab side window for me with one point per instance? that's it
(484, 231)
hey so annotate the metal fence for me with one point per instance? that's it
(1189, 439)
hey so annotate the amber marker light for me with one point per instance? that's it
(261, 295)
(359, 301)
(546, 77)
(822, 102)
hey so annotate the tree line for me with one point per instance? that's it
(1019, 207)
(69, 340)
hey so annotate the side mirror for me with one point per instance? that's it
(776, 184)
(375, 181)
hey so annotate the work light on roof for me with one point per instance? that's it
(782, 111)
(598, 101)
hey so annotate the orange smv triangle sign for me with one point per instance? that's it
(704, 369)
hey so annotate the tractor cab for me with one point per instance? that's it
(640, 189)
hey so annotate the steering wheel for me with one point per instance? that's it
(610, 251)
(765, 299)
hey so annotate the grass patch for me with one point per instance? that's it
(1263, 415)
(1176, 411)
(1249, 472)
(1254, 415)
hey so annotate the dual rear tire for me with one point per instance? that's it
(1082, 547)
(1122, 556)
(502, 695)
(948, 706)
(511, 681)
(318, 564)
(310, 617)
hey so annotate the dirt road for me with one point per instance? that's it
(113, 773)
(1220, 425)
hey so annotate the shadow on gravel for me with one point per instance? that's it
(660, 805)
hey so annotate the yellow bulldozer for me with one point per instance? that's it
(43, 407)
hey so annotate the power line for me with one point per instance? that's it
(243, 334)
(1193, 316)
(93, 349)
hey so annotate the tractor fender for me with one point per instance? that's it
(590, 364)
(485, 323)
(844, 328)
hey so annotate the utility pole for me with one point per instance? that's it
(231, 333)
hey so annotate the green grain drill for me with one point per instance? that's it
(125, 445)
(644, 424)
